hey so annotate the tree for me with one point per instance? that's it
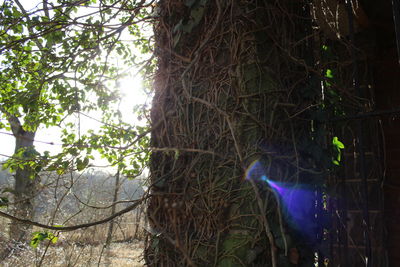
(239, 100)
(56, 61)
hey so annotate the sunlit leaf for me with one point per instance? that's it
(337, 143)
(329, 74)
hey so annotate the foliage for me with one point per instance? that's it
(3, 202)
(124, 146)
(41, 236)
(58, 59)
(338, 146)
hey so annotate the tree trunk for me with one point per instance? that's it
(25, 190)
(229, 94)
(111, 224)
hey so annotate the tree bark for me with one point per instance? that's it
(113, 208)
(226, 78)
(25, 190)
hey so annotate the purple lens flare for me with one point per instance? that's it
(298, 202)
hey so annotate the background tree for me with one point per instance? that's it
(56, 60)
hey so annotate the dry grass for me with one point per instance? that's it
(118, 254)
(82, 247)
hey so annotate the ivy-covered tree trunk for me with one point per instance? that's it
(232, 93)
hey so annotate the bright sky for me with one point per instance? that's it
(133, 94)
(131, 88)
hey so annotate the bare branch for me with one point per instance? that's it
(74, 227)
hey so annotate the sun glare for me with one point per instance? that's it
(131, 90)
(132, 94)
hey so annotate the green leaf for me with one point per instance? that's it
(34, 242)
(329, 74)
(40, 236)
(336, 143)
(176, 154)
(54, 239)
(338, 146)
(3, 202)
(81, 164)
(37, 238)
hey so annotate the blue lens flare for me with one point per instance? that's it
(298, 205)
(256, 172)
(297, 201)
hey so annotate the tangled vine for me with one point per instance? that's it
(238, 83)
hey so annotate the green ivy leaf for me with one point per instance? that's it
(338, 146)
(336, 143)
(329, 74)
